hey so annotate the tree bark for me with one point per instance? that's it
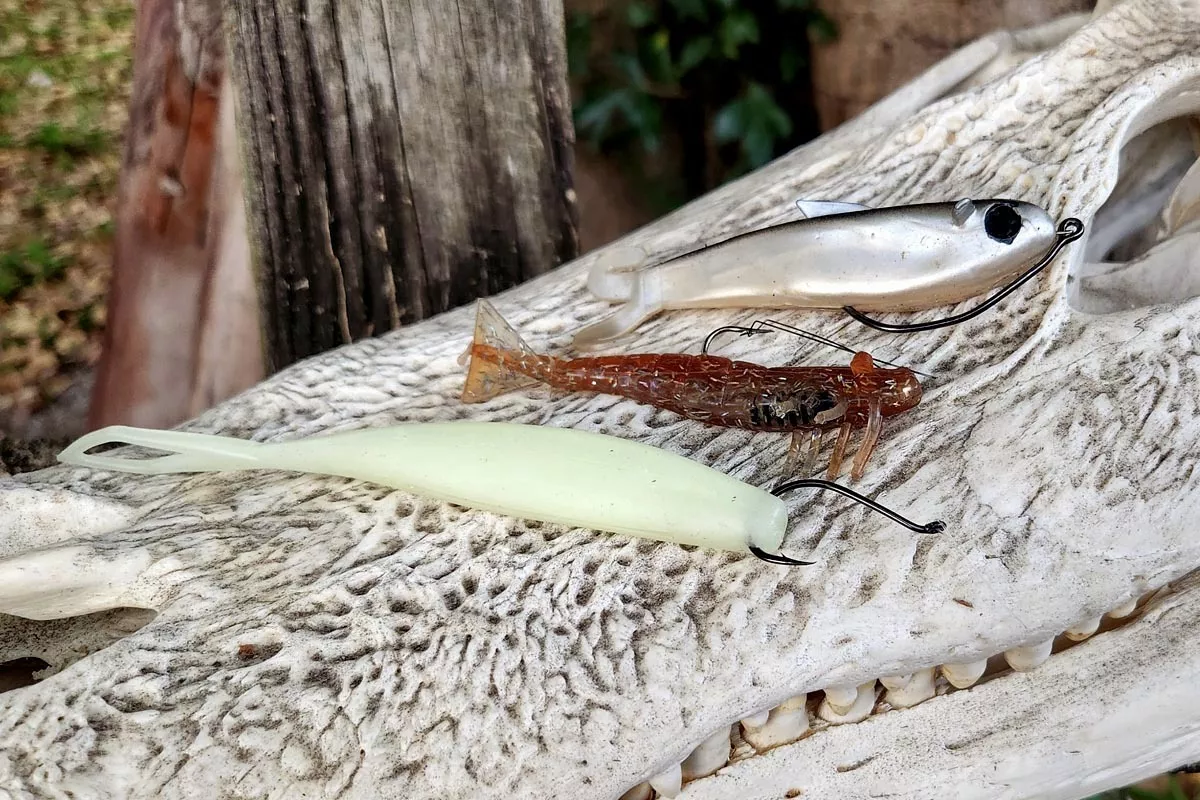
(181, 285)
(883, 44)
(404, 158)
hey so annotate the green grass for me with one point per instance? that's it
(1173, 791)
(27, 265)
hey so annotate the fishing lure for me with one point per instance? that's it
(807, 402)
(557, 475)
(899, 258)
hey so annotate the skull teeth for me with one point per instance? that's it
(915, 688)
(964, 676)
(669, 782)
(783, 725)
(859, 709)
(1083, 630)
(790, 721)
(1028, 657)
(710, 756)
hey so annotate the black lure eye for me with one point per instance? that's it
(1002, 223)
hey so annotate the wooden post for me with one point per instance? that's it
(402, 157)
(182, 288)
(883, 44)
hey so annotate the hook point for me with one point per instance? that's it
(777, 558)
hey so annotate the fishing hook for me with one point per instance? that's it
(936, 526)
(1068, 231)
(762, 326)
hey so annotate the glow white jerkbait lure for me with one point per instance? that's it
(900, 258)
(559, 475)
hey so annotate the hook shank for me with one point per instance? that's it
(1069, 230)
(936, 526)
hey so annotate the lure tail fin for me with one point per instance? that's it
(487, 377)
(187, 452)
(645, 301)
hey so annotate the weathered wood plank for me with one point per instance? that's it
(407, 156)
(180, 335)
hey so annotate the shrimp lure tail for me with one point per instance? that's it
(489, 377)
(645, 301)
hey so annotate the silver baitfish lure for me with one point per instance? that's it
(899, 258)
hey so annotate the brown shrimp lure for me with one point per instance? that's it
(807, 402)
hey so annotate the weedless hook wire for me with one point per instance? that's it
(766, 325)
(936, 526)
(1068, 231)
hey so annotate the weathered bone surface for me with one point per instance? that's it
(323, 638)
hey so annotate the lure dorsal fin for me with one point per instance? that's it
(963, 209)
(811, 209)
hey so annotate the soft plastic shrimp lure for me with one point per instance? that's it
(899, 258)
(556, 475)
(807, 402)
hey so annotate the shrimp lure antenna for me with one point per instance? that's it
(1068, 231)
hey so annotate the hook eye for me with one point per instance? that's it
(1069, 230)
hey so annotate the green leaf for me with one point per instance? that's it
(594, 118)
(794, 5)
(822, 29)
(10, 277)
(639, 14)
(579, 43)
(758, 145)
(690, 9)
(737, 29)
(658, 57)
(598, 119)
(694, 53)
(790, 62)
(630, 66)
(729, 124)
(756, 120)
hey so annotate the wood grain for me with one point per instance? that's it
(405, 156)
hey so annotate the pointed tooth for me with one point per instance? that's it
(669, 782)
(860, 709)
(640, 792)
(710, 756)
(841, 698)
(964, 676)
(894, 682)
(1124, 610)
(1029, 656)
(1082, 630)
(917, 689)
(757, 720)
(785, 724)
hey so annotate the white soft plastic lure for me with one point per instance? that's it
(900, 258)
(559, 475)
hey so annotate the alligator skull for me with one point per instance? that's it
(283, 635)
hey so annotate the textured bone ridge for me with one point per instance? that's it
(329, 639)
